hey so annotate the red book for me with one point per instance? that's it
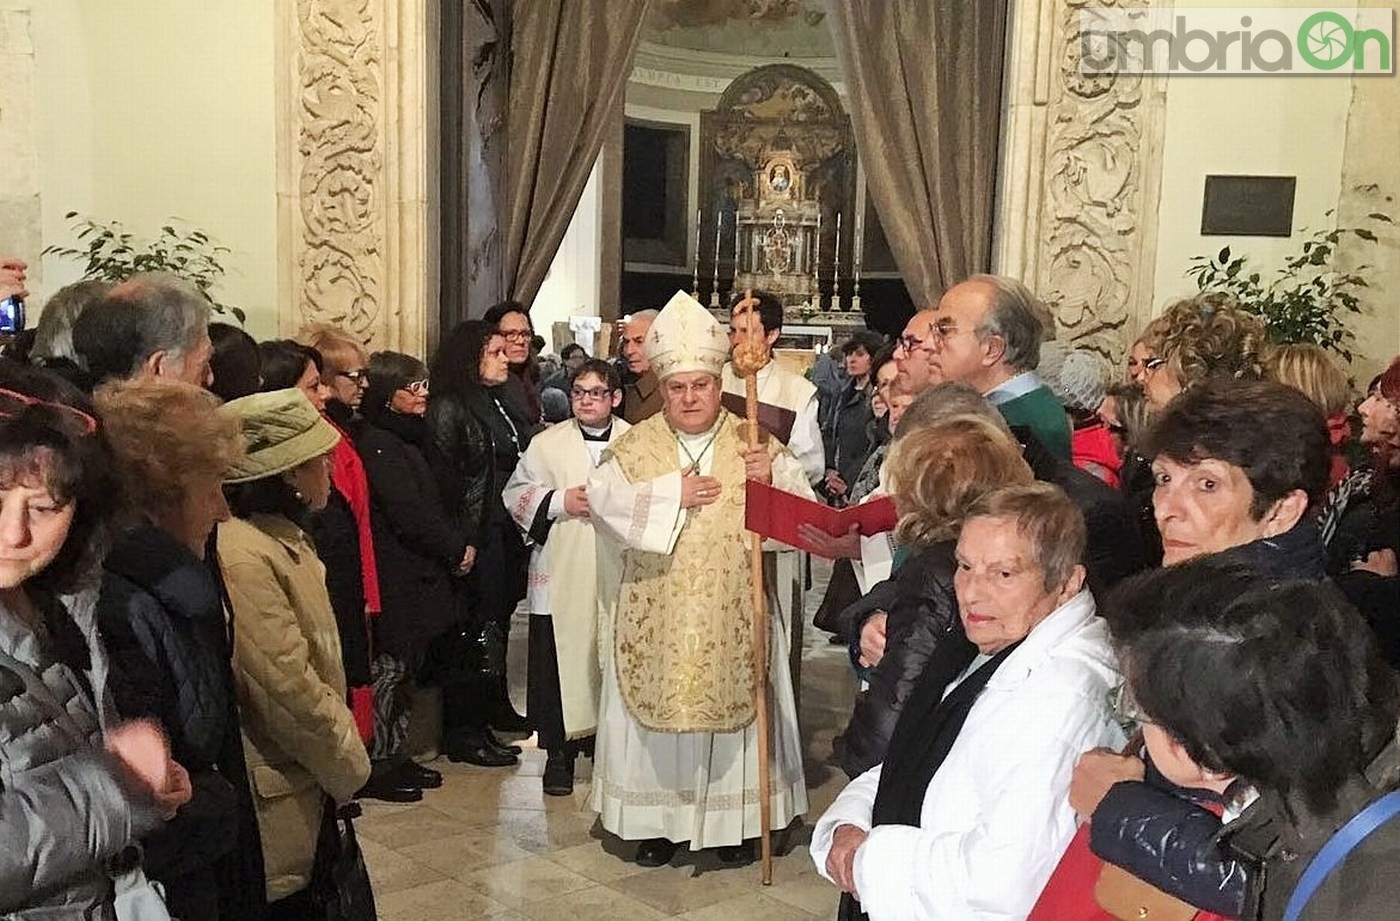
(775, 514)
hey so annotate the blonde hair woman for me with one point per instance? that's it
(1204, 337)
(935, 474)
(1309, 368)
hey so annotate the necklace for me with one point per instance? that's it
(693, 458)
(514, 432)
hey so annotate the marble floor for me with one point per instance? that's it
(490, 844)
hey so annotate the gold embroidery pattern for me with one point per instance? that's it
(683, 646)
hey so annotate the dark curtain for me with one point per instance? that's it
(474, 80)
(924, 80)
(569, 68)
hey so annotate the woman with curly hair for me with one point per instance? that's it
(1204, 337)
(162, 621)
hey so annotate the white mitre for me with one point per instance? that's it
(685, 337)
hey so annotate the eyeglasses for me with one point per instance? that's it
(516, 335)
(1152, 364)
(1125, 706)
(594, 393)
(910, 344)
(359, 377)
(417, 388)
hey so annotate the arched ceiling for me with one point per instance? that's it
(760, 28)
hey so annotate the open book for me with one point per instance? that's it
(774, 514)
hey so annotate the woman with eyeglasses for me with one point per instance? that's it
(521, 390)
(476, 442)
(1206, 337)
(333, 382)
(419, 553)
(1144, 350)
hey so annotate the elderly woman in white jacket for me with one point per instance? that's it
(968, 814)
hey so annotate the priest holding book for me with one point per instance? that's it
(677, 749)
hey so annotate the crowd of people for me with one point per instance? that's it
(1130, 648)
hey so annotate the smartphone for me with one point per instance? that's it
(11, 315)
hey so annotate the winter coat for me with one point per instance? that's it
(845, 431)
(299, 738)
(414, 540)
(162, 622)
(472, 451)
(995, 817)
(342, 532)
(922, 632)
(64, 808)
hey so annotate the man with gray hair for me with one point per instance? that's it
(154, 324)
(986, 332)
(641, 396)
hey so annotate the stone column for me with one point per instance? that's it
(354, 192)
(21, 221)
(1080, 178)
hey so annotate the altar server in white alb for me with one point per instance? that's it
(677, 751)
(547, 496)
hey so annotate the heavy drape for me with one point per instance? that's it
(924, 79)
(569, 67)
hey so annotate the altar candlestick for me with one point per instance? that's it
(817, 258)
(714, 291)
(860, 254)
(695, 281)
(836, 268)
(734, 285)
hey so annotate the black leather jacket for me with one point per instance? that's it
(469, 460)
(923, 633)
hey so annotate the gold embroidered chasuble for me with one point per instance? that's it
(683, 641)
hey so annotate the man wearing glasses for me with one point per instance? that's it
(547, 497)
(986, 332)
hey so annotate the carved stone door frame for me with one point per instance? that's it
(1080, 177)
(356, 197)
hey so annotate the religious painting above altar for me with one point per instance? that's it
(777, 180)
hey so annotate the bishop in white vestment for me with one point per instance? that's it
(677, 748)
(548, 499)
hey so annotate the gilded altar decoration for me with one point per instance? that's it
(778, 167)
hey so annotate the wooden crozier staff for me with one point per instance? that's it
(749, 358)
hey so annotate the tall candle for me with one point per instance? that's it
(736, 245)
(836, 267)
(695, 280)
(817, 258)
(714, 289)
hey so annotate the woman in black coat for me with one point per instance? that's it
(416, 546)
(161, 618)
(936, 473)
(475, 443)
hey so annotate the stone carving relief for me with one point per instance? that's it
(1088, 223)
(1094, 179)
(338, 255)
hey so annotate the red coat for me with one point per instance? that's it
(1092, 449)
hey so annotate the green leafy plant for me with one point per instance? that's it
(1309, 299)
(110, 252)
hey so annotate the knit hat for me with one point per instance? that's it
(281, 430)
(1081, 381)
(684, 337)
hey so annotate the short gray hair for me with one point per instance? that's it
(649, 315)
(53, 336)
(1018, 317)
(147, 313)
(944, 401)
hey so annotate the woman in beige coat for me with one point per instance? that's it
(300, 739)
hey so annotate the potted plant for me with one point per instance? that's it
(1308, 299)
(110, 252)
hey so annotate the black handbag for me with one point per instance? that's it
(340, 886)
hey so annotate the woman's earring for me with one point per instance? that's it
(299, 496)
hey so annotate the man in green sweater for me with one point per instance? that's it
(986, 333)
